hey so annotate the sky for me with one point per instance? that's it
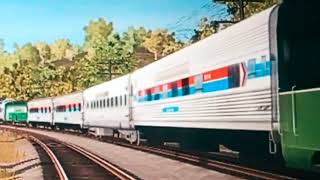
(23, 21)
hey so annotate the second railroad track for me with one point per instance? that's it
(73, 162)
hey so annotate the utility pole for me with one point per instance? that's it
(241, 9)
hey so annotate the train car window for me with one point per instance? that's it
(185, 86)
(41, 109)
(251, 68)
(34, 110)
(69, 107)
(108, 102)
(101, 103)
(74, 107)
(164, 90)
(49, 109)
(199, 81)
(104, 103)
(149, 95)
(91, 104)
(116, 101)
(111, 103)
(120, 97)
(234, 75)
(156, 96)
(125, 99)
(79, 106)
(61, 108)
(174, 89)
(45, 110)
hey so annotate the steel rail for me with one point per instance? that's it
(54, 159)
(103, 163)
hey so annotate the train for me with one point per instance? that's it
(253, 88)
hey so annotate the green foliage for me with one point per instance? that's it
(205, 29)
(29, 53)
(42, 69)
(59, 48)
(44, 51)
(97, 32)
(250, 7)
(162, 42)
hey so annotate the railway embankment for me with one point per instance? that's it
(18, 158)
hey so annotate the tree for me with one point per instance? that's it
(205, 29)
(97, 31)
(135, 37)
(161, 42)
(44, 51)
(30, 53)
(250, 7)
(59, 48)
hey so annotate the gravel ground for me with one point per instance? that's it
(144, 165)
(30, 167)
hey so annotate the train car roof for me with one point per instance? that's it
(203, 45)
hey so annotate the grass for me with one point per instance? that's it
(9, 153)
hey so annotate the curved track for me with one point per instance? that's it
(73, 162)
(224, 166)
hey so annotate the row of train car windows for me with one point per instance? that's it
(217, 79)
(108, 102)
(40, 110)
(62, 108)
(69, 108)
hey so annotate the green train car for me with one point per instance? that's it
(16, 111)
(297, 51)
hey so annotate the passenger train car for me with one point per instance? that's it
(68, 111)
(107, 106)
(252, 87)
(40, 112)
(217, 91)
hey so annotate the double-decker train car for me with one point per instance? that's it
(40, 112)
(68, 111)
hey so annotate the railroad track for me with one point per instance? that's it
(73, 162)
(224, 167)
(218, 165)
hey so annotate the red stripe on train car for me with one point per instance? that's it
(192, 80)
(215, 74)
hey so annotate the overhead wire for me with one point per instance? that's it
(184, 26)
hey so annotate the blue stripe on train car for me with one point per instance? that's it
(261, 70)
(192, 89)
(157, 96)
(171, 109)
(216, 85)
